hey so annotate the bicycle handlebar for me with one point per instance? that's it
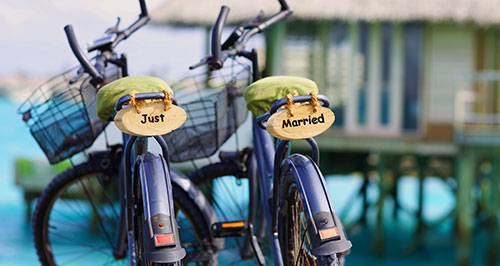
(216, 61)
(122, 35)
(273, 19)
(141, 21)
(237, 32)
(96, 72)
(284, 5)
(144, 9)
(238, 37)
(80, 56)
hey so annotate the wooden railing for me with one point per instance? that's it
(477, 107)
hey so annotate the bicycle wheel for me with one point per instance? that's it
(76, 217)
(294, 239)
(226, 186)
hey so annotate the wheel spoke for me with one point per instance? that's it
(97, 213)
(75, 218)
(296, 238)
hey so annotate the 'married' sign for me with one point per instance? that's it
(305, 122)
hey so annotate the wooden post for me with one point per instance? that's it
(420, 210)
(374, 77)
(378, 242)
(396, 79)
(496, 65)
(351, 113)
(28, 198)
(364, 195)
(493, 210)
(394, 192)
(324, 34)
(275, 45)
(465, 171)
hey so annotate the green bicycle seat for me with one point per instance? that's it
(108, 95)
(261, 94)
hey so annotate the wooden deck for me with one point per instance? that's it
(472, 159)
(336, 142)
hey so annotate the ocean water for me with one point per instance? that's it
(15, 234)
(16, 246)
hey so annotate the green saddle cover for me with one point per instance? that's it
(108, 95)
(261, 94)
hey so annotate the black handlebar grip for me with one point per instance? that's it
(144, 9)
(284, 5)
(235, 35)
(216, 60)
(77, 51)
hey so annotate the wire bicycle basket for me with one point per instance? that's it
(61, 114)
(215, 108)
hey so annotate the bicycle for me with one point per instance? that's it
(293, 193)
(233, 164)
(103, 206)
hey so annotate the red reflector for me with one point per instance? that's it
(328, 233)
(161, 240)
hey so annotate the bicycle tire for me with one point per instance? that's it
(218, 175)
(56, 194)
(292, 226)
(212, 171)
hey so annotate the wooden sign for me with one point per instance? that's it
(305, 123)
(152, 120)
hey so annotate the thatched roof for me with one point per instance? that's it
(204, 12)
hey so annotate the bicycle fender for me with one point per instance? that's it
(206, 209)
(160, 230)
(324, 226)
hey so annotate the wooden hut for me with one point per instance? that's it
(391, 67)
(407, 78)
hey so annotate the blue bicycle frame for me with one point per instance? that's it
(267, 161)
(317, 204)
(155, 177)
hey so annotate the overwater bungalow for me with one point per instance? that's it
(414, 84)
(391, 67)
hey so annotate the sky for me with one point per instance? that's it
(32, 40)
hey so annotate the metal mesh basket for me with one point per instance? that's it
(215, 109)
(62, 115)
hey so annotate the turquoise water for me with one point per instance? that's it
(15, 234)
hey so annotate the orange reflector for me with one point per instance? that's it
(161, 240)
(233, 224)
(328, 233)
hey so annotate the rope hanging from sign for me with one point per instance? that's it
(133, 102)
(314, 102)
(167, 101)
(289, 101)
